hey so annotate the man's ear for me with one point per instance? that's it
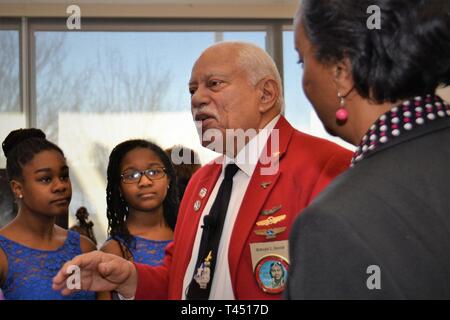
(269, 92)
(16, 188)
(342, 76)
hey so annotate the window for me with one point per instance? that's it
(299, 110)
(11, 114)
(96, 89)
(121, 79)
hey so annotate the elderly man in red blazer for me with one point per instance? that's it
(279, 171)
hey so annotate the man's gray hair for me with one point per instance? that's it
(257, 64)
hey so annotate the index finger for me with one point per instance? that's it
(60, 280)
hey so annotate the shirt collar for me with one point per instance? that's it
(400, 120)
(248, 156)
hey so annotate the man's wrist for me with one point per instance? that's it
(123, 298)
(127, 289)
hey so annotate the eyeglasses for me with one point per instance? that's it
(135, 176)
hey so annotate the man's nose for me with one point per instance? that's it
(199, 98)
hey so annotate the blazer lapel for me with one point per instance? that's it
(192, 218)
(258, 191)
(251, 206)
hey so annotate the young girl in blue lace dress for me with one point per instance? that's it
(142, 202)
(32, 247)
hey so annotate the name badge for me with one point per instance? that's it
(270, 262)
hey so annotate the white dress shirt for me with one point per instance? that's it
(246, 160)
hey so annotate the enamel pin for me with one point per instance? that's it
(271, 274)
(203, 275)
(270, 233)
(264, 185)
(271, 211)
(197, 205)
(202, 193)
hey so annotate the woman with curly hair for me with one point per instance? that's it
(142, 202)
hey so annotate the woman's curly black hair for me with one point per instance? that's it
(408, 56)
(20, 147)
(117, 207)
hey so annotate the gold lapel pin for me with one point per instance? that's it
(271, 220)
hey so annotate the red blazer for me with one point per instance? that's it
(306, 165)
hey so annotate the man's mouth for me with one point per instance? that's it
(203, 116)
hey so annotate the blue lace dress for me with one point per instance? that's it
(147, 251)
(30, 271)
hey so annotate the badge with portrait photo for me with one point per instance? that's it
(271, 273)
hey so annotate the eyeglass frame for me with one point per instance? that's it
(142, 173)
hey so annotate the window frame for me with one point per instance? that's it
(273, 28)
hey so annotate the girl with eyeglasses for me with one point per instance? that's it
(32, 247)
(142, 203)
